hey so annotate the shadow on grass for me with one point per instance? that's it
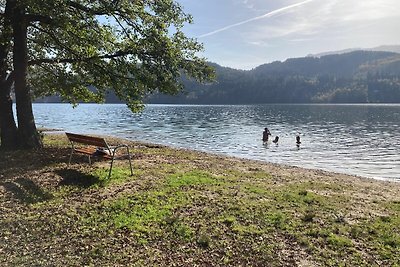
(26, 191)
(76, 178)
(22, 161)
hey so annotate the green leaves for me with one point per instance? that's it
(135, 48)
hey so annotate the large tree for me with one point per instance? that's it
(81, 49)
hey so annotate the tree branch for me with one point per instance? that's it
(39, 18)
(78, 6)
(76, 60)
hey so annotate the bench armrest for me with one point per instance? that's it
(114, 148)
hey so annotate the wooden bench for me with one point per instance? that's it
(95, 147)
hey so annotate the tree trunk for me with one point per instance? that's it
(28, 136)
(8, 129)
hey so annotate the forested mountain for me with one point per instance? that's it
(355, 77)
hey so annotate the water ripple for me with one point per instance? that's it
(354, 139)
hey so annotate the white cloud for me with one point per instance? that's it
(352, 11)
(321, 16)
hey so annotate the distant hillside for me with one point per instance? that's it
(355, 77)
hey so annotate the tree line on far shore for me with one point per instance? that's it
(355, 77)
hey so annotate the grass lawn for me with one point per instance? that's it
(186, 208)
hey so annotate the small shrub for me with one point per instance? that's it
(304, 242)
(392, 240)
(277, 219)
(229, 220)
(309, 216)
(171, 220)
(385, 219)
(356, 231)
(303, 193)
(339, 241)
(204, 241)
(184, 231)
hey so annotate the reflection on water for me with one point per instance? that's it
(355, 139)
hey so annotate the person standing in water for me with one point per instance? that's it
(298, 142)
(266, 135)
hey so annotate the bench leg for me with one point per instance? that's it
(70, 157)
(130, 163)
(113, 157)
(111, 165)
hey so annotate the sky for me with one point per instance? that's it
(244, 34)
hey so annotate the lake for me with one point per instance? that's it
(354, 139)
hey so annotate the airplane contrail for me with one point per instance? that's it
(269, 14)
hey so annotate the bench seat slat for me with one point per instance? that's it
(88, 140)
(86, 150)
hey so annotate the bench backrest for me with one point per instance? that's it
(88, 140)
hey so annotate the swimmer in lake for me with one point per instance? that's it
(266, 135)
(276, 139)
(298, 142)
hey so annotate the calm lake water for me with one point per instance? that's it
(355, 139)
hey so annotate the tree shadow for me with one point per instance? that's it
(26, 191)
(76, 178)
(30, 160)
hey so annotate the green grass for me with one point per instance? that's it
(119, 175)
(195, 178)
(151, 211)
(182, 207)
(290, 211)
